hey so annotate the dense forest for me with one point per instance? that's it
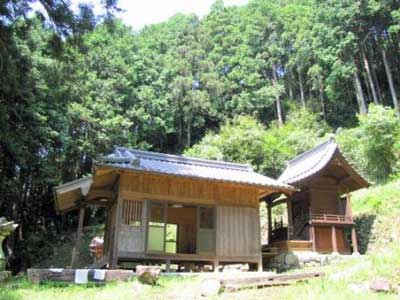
(258, 83)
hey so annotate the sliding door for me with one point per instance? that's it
(156, 227)
(206, 230)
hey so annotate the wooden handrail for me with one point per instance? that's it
(330, 217)
(324, 217)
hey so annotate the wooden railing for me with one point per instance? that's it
(279, 229)
(330, 218)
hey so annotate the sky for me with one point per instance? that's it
(138, 13)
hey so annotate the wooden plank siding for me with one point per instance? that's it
(237, 215)
(323, 237)
(238, 232)
(161, 187)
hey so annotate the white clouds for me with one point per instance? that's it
(138, 13)
(145, 12)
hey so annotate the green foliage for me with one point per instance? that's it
(247, 141)
(301, 132)
(240, 140)
(373, 145)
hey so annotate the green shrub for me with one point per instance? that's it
(364, 224)
(245, 140)
(374, 145)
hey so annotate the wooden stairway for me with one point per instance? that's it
(101, 263)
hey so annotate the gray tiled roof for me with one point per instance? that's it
(188, 167)
(309, 163)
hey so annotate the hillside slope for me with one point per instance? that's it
(377, 212)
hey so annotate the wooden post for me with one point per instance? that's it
(354, 240)
(334, 242)
(349, 212)
(269, 221)
(312, 237)
(260, 264)
(76, 249)
(106, 239)
(114, 260)
(216, 265)
(290, 217)
(168, 265)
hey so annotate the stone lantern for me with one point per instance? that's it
(6, 228)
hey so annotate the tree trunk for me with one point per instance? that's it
(277, 98)
(359, 93)
(370, 80)
(189, 131)
(321, 96)
(391, 84)
(302, 100)
(378, 89)
(290, 91)
(368, 96)
(180, 125)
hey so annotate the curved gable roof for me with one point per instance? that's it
(314, 161)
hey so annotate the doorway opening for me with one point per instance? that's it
(181, 229)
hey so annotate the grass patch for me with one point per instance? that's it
(379, 199)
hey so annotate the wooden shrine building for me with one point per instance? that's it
(319, 216)
(168, 208)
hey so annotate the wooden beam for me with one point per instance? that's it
(216, 265)
(179, 199)
(279, 201)
(312, 238)
(83, 184)
(168, 265)
(334, 241)
(107, 228)
(76, 249)
(232, 284)
(290, 219)
(113, 228)
(96, 202)
(118, 219)
(349, 212)
(100, 194)
(269, 213)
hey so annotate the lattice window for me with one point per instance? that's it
(132, 212)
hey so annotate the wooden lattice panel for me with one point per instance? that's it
(132, 212)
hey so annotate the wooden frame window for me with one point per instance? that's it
(132, 212)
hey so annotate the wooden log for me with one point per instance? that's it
(41, 275)
(68, 275)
